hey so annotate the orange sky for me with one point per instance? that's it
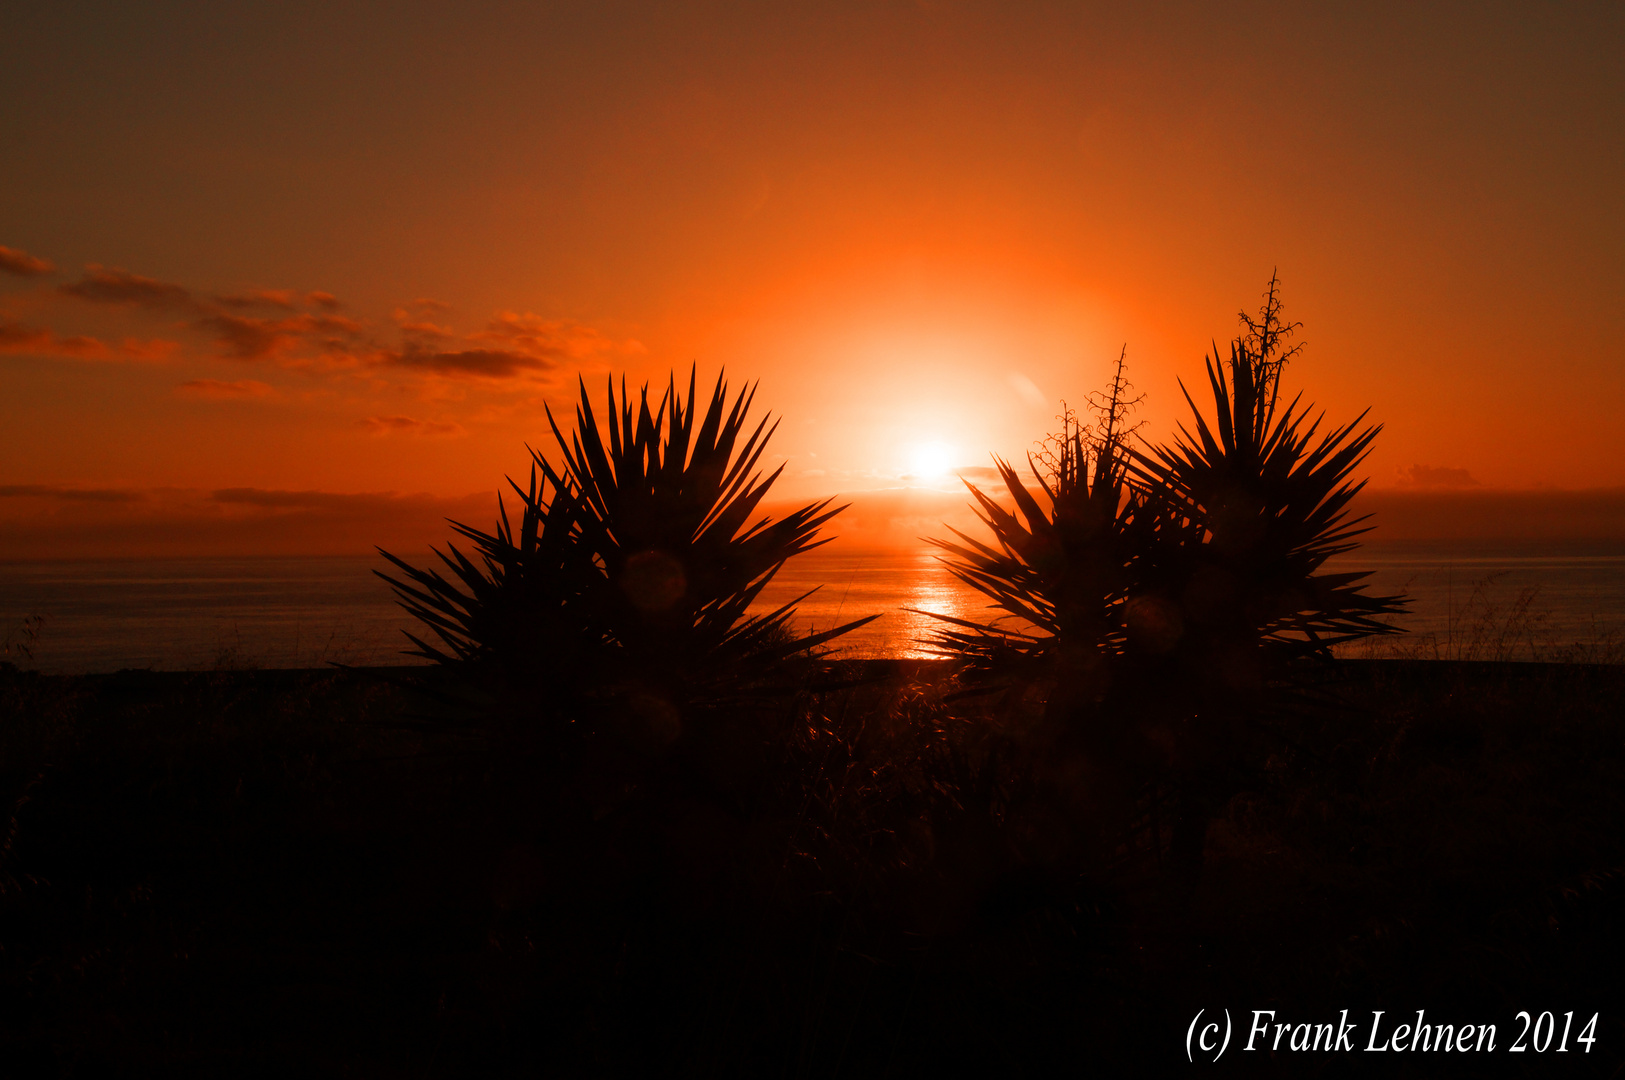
(342, 249)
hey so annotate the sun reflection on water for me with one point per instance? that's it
(886, 584)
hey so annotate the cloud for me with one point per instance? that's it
(17, 338)
(53, 491)
(217, 390)
(978, 472)
(280, 299)
(306, 329)
(21, 263)
(1428, 476)
(420, 334)
(245, 338)
(33, 341)
(259, 324)
(407, 425)
(242, 337)
(115, 286)
(509, 346)
(153, 351)
(553, 339)
(476, 363)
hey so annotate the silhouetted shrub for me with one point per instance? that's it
(1272, 503)
(622, 604)
(1169, 589)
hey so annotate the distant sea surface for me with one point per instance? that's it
(1480, 601)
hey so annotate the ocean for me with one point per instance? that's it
(1479, 601)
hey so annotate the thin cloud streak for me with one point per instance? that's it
(278, 300)
(21, 263)
(19, 339)
(120, 287)
(472, 363)
(409, 425)
(221, 390)
(241, 337)
(1429, 476)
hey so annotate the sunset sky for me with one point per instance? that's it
(261, 256)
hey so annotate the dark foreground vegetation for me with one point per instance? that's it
(228, 873)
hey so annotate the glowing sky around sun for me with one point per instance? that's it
(347, 248)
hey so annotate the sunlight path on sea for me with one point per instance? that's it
(851, 586)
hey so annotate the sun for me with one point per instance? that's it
(930, 460)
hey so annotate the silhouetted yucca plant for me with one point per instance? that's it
(666, 508)
(624, 592)
(1069, 569)
(1168, 586)
(1078, 571)
(512, 621)
(1266, 496)
(1271, 501)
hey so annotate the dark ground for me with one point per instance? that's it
(239, 872)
